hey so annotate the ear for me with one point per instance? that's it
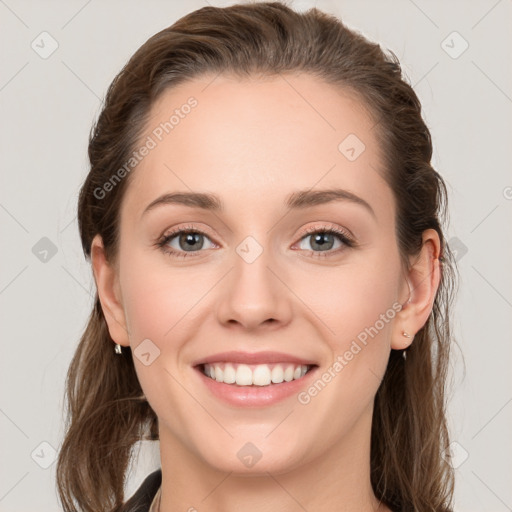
(107, 283)
(422, 278)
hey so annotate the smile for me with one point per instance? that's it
(255, 374)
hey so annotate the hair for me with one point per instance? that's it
(106, 410)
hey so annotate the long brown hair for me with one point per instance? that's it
(106, 410)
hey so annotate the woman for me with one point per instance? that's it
(273, 284)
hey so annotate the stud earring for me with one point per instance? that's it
(118, 349)
(406, 334)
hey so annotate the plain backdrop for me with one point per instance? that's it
(457, 56)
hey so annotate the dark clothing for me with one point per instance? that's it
(143, 497)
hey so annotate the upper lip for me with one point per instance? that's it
(253, 358)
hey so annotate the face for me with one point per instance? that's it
(277, 273)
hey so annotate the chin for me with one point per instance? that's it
(246, 458)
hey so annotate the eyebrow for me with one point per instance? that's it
(299, 199)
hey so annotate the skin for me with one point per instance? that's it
(253, 142)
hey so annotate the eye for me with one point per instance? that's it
(324, 240)
(321, 242)
(186, 240)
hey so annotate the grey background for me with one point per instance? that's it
(47, 108)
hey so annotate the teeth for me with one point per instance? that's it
(243, 375)
(229, 374)
(277, 374)
(288, 373)
(257, 375)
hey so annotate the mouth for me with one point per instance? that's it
(255, 375)
(254, 379)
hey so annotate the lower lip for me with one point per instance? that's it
(255, 396)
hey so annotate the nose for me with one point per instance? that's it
(254, 295)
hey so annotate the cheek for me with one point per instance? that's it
(350, 299)
(357, 305)
(157, 299)
(357, 308)
(161, 305)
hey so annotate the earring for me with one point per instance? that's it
(118, 349)
(405, 335)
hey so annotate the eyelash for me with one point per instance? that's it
(341, 235)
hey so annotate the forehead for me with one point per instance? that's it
(253, 141)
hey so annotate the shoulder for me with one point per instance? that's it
(143, 496)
